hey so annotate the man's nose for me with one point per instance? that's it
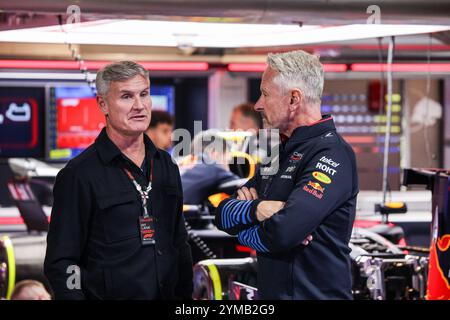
(138, 104)
(258, 105)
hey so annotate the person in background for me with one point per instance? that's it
(160, 129)
(209, 169)
(244, 117)
(30, 290)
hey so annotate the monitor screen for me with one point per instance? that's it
(75, 120)
(22, 122)
(163, 98)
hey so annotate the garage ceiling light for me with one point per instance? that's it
(199, 34)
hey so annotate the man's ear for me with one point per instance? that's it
(102, 105)
(296, 99)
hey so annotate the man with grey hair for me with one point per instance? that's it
(117, 229)
(312, 196)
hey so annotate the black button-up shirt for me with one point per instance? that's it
(94, 225)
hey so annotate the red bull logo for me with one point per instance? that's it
(315, 189)
(316, 186)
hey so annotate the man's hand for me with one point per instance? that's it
(268, 208)
(245, 193)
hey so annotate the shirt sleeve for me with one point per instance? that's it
(184, 286)
(234, 215)
(67, 234)
(325, 184)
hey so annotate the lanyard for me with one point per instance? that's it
(142, 193)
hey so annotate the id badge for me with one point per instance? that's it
(147, 230)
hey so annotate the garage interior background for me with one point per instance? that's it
(206, 57)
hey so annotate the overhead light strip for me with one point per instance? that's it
(95, 65)
(401, 67)
(260, 67)
(232, 67)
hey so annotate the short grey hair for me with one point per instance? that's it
(117, 71)
(298, 69)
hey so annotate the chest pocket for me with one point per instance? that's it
(119, 214)
(164, 200)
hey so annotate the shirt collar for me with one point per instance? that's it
(108, 151)
(315, 129)
(283, 138)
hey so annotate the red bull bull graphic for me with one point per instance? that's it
(439, 265)
(316, 186)
(315, 189)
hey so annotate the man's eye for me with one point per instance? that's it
(126, 96)
(144, 94)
